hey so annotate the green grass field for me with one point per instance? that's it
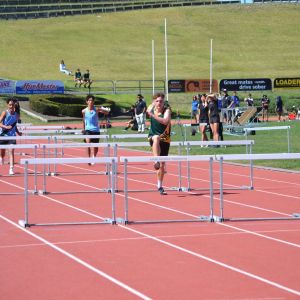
(249, 41)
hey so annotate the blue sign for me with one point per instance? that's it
(39, 87)
(252, 84)
(7, 87)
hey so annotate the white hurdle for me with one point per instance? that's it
(63, 138)
(41, 161)
(25, 146)
(106, 147)
(251, 157)
(188, 144)
(153, 159)
(191, 125)
(287, 128)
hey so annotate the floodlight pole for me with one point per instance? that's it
(153, 69)
(166, 54)
(210, 72)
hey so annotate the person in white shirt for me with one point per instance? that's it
(63, 69)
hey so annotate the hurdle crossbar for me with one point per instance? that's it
(41, 161)
(251, 157)
(151, 159)
(287, 128)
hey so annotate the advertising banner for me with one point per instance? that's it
(39, 87)
(7, 87)
(252, 84)
(192, 86)
(286, 83)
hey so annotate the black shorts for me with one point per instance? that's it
(164, 147)
(214, 119)
(8, 142)
(88, 132)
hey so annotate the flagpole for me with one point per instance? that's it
(153, 69)
(211, 59)
(166, 54)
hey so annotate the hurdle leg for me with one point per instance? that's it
(188, 169)
(221, 219)
(126, 190)
(179, 169)
(24, 223)
(115, 154)
(211, 189)
(35, 172)
(113, 170)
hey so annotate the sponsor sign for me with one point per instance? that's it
(252, 84)
(7, 87)
(287, 83)
(39, 87)
(192, 85)
(176, 86)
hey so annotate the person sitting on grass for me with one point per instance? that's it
(86, 79)
(78, 78)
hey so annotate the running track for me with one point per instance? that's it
(197, 260)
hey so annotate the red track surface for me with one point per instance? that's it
(194, 260)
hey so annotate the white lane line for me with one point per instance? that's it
(226, 266)
(173, 236)
(80, 261)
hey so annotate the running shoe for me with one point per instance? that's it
(162, 191)
(11, 171)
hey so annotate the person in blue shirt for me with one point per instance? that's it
(91, 122)
(8, 127)
(195, 109)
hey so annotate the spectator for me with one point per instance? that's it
(249, 101)
(8, 127)
(265, 101)
(18, 110)
(62, 68)
(140, 113)
(279, 107)
(234, 102)
(78, 78)
(204, 119)
(160, 134)
(226, 100)
(195, 109)
(86, 79)
(132, 122)
(214, 118)
(91, 123)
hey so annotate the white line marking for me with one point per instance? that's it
(80, 261)
(226, 266)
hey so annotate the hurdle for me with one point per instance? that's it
(49, 161)
(38, 161)
(247, 143)
(72, 145)
(287, 128)
(152, 159)
(26, 146)
(197, 125)
(63, 138)
(251, 157)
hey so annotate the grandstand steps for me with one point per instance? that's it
(28, 9)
